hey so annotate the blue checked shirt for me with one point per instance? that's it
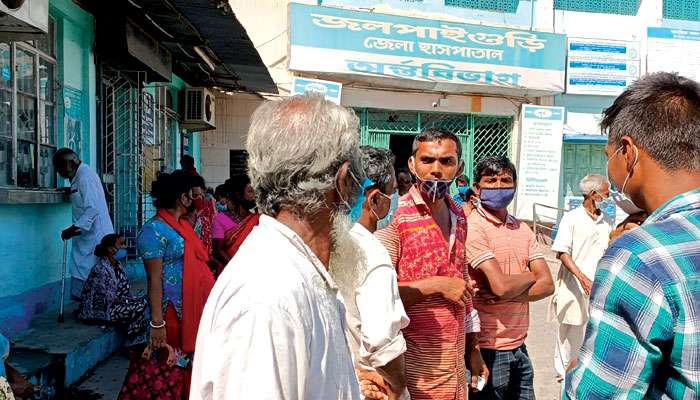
(643, 335)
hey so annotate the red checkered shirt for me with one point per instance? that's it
(435, 337)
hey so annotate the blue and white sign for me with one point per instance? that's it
(330, 90)
(601, 67)
(542, 132)
(6, 74)
(339, 41)
(674, 50)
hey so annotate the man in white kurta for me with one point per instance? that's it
(367, 281)
(375, 313)
(273, 326)
(90, 220)
(582, 237)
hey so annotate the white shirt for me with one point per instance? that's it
(375, 313)
(91, 215)
(585, 239)
(273, 326)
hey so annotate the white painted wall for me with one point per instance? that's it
(232, 122)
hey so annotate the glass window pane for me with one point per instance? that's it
(25, 72)
(26, 172)
(5, 66)
(5, 113)
(46, 42)
(26, 117)
(5, 161)
(47, 175)
(48, 134)
(46, 80)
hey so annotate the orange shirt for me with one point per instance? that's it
(504, 324)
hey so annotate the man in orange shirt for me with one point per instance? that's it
(510, 272)
(426, 242)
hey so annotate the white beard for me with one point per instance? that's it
(346, 256)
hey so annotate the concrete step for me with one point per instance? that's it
(42, 370)
(76, 347)
(105, 381)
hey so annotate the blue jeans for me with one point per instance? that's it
(511, 375)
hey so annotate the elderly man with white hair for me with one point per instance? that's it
(581, 241)
(273, 327)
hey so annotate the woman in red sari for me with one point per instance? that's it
(179, 280)
(240, 202)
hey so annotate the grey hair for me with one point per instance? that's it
(378, 165)
(661, 112)
(296, 147)
(592, 183)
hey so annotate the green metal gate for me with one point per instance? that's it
(480, 135)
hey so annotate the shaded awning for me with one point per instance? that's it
(208, 45)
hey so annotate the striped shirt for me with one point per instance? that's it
(435, 337)
(512, 244)
(643, 335)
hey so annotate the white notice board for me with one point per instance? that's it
(674, 50)
(540, 158)
(600, 67)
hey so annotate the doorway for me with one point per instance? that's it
(402, 147)
(479, 135)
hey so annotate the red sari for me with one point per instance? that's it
(235, 237)
(197, 282)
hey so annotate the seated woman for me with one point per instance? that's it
(105, 298)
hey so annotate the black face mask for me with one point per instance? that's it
(247, 204)
(190, 209)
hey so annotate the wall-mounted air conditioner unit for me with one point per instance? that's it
(199, 109)
(23, 19)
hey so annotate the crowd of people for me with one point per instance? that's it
(324, 273)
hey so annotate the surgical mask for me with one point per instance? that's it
(391, 207)
(384, 222)
(120, 254)
(220, 207)
(620, 198)
(463, 190)
(496, 198)
(355, 209)
(597, 203)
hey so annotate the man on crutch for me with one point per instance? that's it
(90, 220)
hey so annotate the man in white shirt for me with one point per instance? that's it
(91, 221)
(374, 311)
(274, 324)
(580, 243)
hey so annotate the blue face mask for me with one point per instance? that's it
(220, 207)
(496, 198)
(384, 222)
(120, 254)
(463, 190)
(355, 209)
